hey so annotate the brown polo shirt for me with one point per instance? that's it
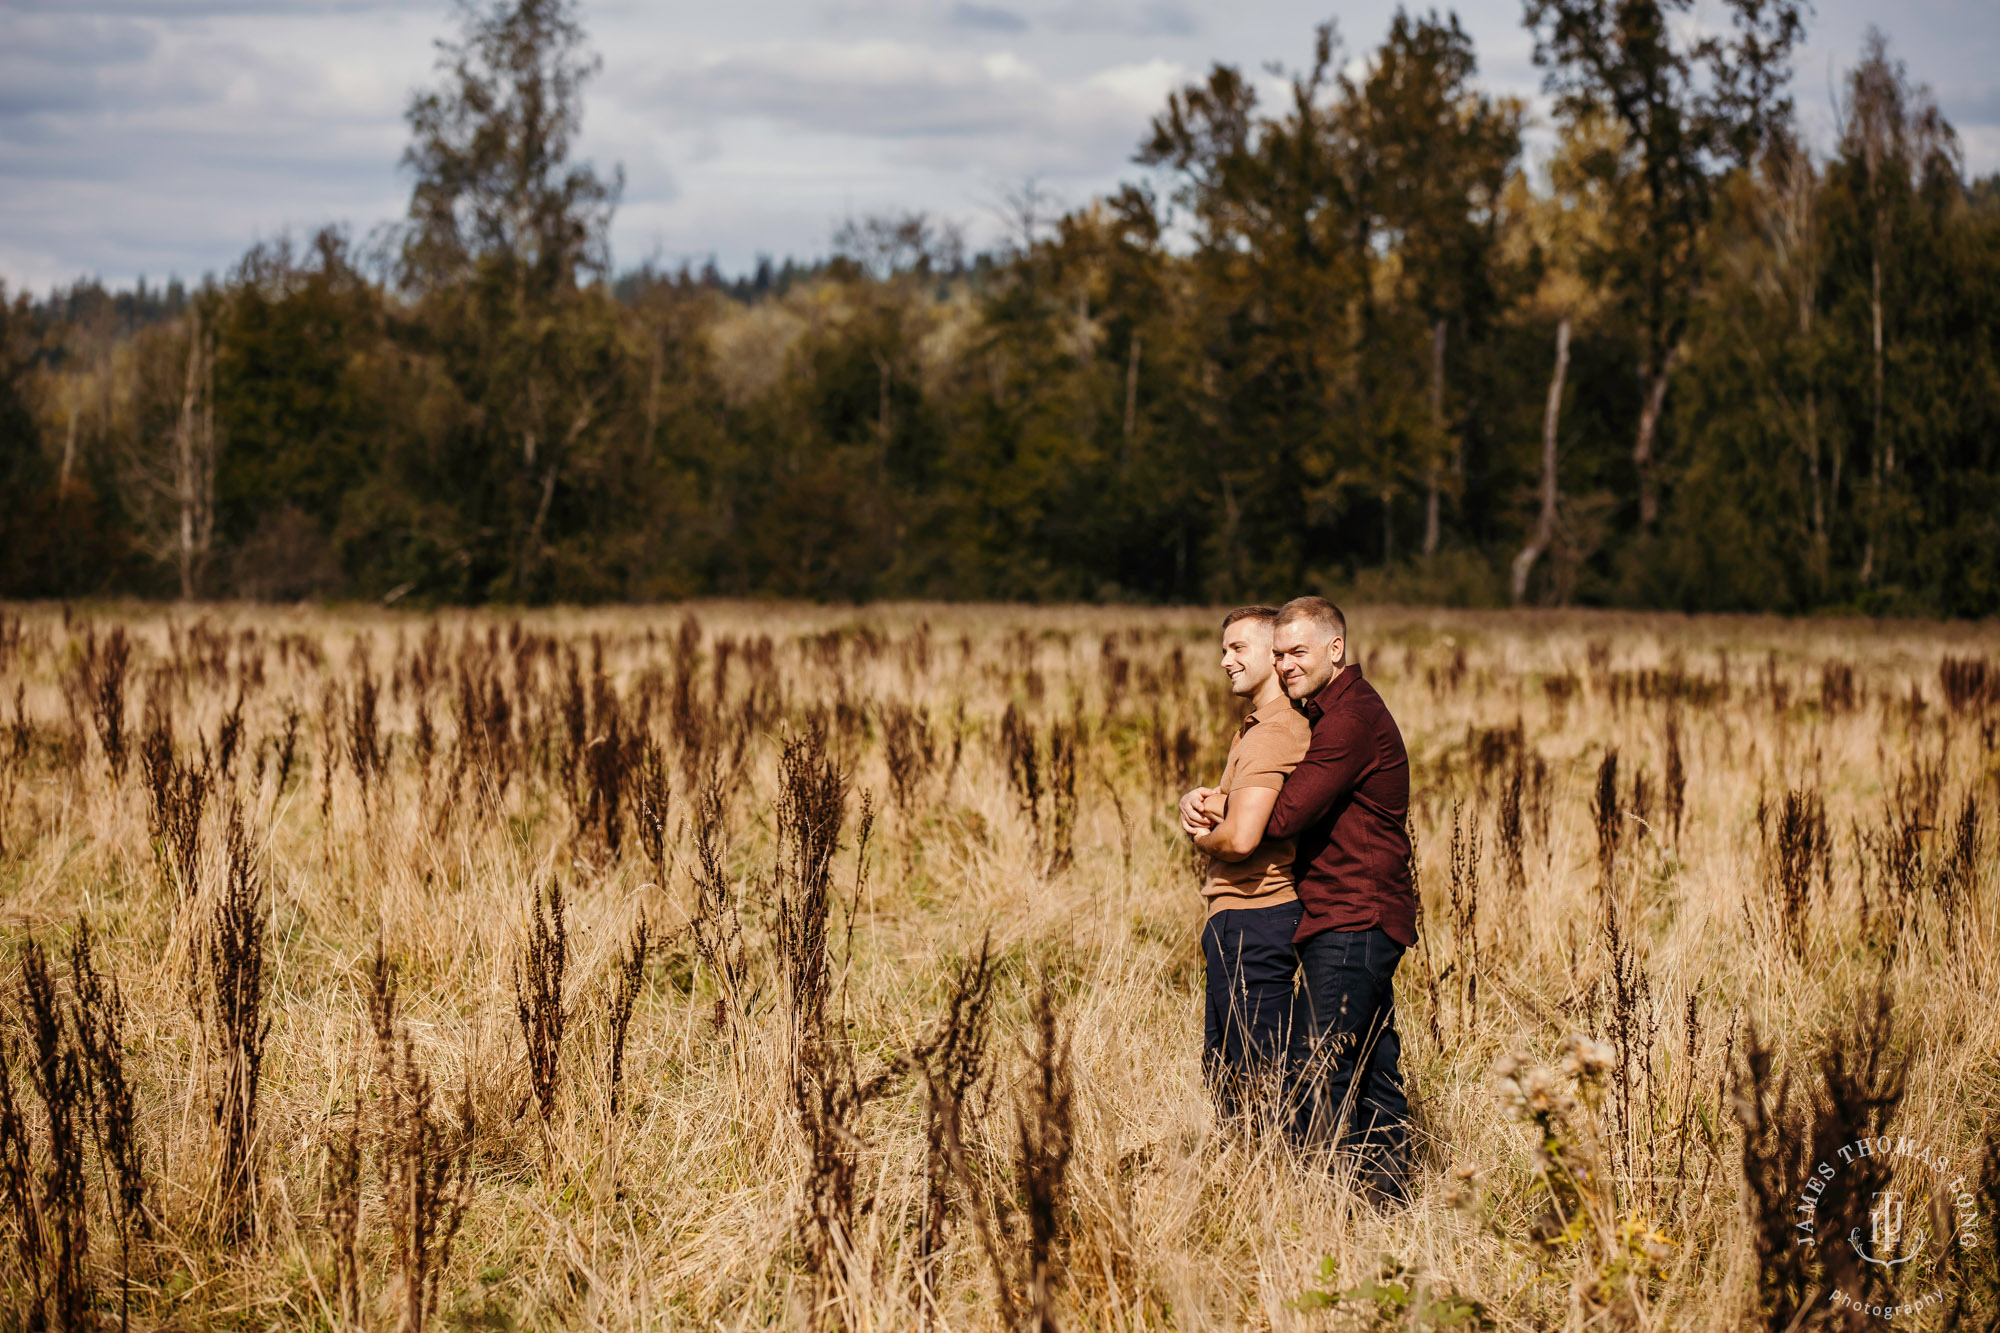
(1348, 803)
(1269, 746)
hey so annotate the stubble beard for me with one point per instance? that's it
(1306, 686)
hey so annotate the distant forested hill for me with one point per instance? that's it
(1349, 340)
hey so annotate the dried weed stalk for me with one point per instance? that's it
(1020, 1228)
(538, 996)
(1465, 913)
(717, 921)
(953, 1064)
(99, 1020)
(102, 673)
(1786, 1139)
(45, 1184)
(1799, 853)
(425, 1162)
(236, 986)
(655, 800)
(177, 791)
(812, 805)
(631, 978)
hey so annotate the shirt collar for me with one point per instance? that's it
(1267, 712)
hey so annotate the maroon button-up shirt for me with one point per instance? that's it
(1347, 803)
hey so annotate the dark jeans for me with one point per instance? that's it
(1347, 1090)
(1248, 1029)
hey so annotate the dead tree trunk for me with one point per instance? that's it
(1431, 501)
(69, 454)
(194, 460)
(882, 403)
(653, 387)
(1642, 449)
(1131, 395)
(1545, 525)
(1883, 460)
(577, 426)
(1819, 532)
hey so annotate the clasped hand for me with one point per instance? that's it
(1201, 810)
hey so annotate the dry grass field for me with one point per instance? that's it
(765, 965)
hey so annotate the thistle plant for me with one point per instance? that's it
(1611, 1250)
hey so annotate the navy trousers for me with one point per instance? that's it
(1248, 1030)
(1347, 1091)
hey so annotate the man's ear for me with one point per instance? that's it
(1338, 647)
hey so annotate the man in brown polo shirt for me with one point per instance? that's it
(1347, 803)
(1253, 903)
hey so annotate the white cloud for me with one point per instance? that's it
(1143, 86)
(924, 104)
(1151, 18)
(167, 135)
(203, 9)
(1982, 149)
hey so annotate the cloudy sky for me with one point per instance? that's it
(165, 136)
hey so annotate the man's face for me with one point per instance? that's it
(1246, 656)
(1307, 657)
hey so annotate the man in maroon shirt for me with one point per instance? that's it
(1347, 803)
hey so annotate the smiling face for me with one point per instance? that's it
(1307, 656)
(1246, 655)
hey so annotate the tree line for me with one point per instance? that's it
(1347, 338)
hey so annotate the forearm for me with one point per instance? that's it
(1220, 843)
(1241, 827)
(1311, 792)
(1306, 796)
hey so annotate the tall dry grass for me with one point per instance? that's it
(740, 966)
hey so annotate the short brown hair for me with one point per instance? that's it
(1316, 609)
(1269, 613)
